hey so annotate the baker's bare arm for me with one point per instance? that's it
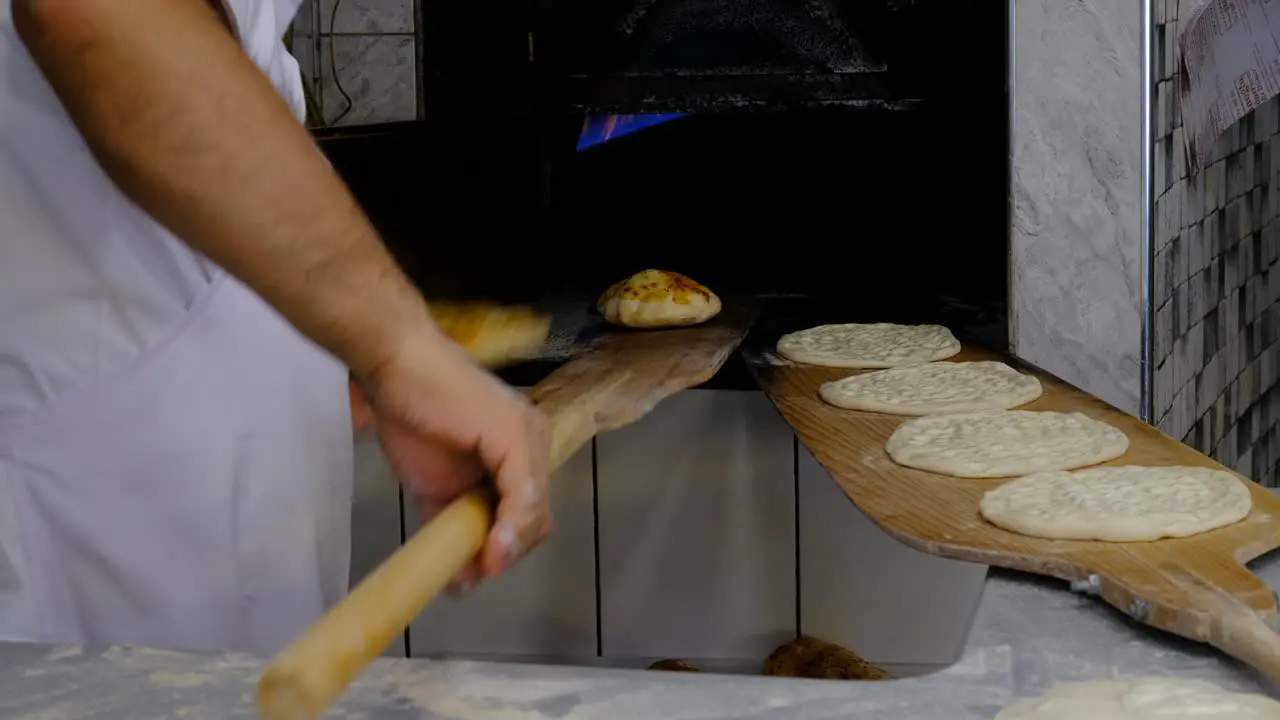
(189, 128)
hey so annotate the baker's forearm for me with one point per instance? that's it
(187, 126)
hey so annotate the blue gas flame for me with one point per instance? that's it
(598, 129)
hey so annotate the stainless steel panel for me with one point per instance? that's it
(899, 608)
(375, 516)
(544, 608)
(697, 532)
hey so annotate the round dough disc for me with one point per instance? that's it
(1118, 504)
(1004, 443)
(878, 345)
(1148, 698)
(934, 388)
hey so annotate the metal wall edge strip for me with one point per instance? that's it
(1146, 394)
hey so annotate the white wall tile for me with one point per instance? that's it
(304, 22)
(377, 72)
(366, 16)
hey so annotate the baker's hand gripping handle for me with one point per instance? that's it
(307, 676)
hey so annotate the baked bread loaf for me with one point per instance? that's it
(493, 335)
(809, 657)
(658, 299)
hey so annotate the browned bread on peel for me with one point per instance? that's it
(658, 299)
(493, 335)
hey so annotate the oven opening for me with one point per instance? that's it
(891, 216)
(700, 54)
(656, 56)
(735, 37)
(836, 162)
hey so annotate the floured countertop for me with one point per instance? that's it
(1029, 634)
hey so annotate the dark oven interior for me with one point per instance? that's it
(846, 158)
(690, 55)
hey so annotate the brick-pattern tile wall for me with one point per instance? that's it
(1215, 282)
(359, 60)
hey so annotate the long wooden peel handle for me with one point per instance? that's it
(1199, 609)
(1243, 634)
(307, 676)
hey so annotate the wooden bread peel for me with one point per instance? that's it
(1197, 587)
(617, 380)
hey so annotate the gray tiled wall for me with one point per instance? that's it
(359, 60)
(1214, 279)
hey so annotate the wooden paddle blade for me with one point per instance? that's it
(1197, 593)
(1196, 587)
(623, 375)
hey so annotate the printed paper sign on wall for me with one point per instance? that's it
(1229, 64)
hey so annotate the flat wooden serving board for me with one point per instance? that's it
(1196, 587)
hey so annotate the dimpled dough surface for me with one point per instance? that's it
(1004, 443)
(944, 387)
(1150, 698)
(878, 345)
(1118, 504)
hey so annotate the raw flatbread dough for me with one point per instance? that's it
(1118, 504)
(934, 388)
(878, 345)
(1149, 698)
(1004, 443)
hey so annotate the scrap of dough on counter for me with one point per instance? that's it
(1148, 698)
(877, 345)
(658, 299)
(1004, 443)
(1118, 504)
(934, 388)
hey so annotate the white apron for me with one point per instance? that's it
(175, 459)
